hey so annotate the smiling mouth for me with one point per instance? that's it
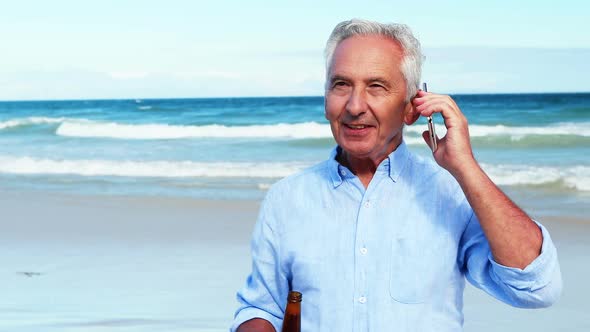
(356, 126)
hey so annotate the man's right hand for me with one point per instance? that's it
(256, 325)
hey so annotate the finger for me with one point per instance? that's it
(427, 99)
(420, 98)
(421, 93)
(440, 105)
(426, 137)
(433, 106)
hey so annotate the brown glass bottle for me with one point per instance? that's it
(292, 320)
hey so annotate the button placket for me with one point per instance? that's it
(361, 283)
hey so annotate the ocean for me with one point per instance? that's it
(535, 146)
(135, 215)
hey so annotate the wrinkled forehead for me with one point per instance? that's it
(369, 55)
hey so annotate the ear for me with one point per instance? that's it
(410, 115)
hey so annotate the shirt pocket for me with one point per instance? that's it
(412, 270)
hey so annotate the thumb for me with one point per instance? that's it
(426, 137)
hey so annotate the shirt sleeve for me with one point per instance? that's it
(266, 287)
(538, 285)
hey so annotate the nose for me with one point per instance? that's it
(357, 103)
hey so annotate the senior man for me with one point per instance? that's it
(377, 238)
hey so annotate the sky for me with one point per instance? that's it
(166, 49)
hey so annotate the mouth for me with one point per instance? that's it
(356, 129)
(356, 126)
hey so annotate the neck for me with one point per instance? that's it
(363, 167)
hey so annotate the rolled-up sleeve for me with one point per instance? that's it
(538, 285)
(266, 286)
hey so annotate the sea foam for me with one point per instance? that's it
(12, 123)
(89, 128)
(71, 127)
(576, 177)
(573, 177)
(574, 129)
(164, 131)
(164, 169)
(306, 130)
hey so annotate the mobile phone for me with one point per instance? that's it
(431, 131)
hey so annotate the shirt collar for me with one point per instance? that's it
(335, 168)
(393, 165)
(398, 160)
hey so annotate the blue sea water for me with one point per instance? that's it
(535, 146)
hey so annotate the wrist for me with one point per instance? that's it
(467, 169)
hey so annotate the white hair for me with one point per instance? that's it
(411, 66)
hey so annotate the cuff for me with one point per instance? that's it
(251, 312)
(537, 274)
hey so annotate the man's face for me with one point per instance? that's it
(365, 96)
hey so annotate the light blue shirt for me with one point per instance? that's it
(393, 257)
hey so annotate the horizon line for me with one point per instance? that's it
(269, 97)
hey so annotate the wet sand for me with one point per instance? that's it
(86, 263)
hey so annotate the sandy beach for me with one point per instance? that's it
(139, 264)
(123, 263)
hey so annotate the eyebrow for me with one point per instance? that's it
(379, 80)
(368, 80)
(338, 78)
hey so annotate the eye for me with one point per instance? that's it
(338, 84)
(376, 86)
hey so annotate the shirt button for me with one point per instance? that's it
(367, 204)
(364, 250)
(362, 299)
(343, 172)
